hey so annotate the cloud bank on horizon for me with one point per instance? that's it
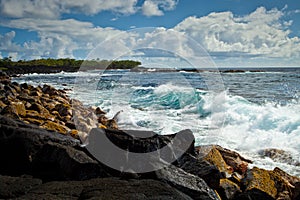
(32, 29)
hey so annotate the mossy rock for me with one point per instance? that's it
(36, 115)
(74, 134)
(228, 189)
(53, 126)
(61, 99)
(262, 180)
(15, 110)
(33, 121)
(2, 105)
(215, 158)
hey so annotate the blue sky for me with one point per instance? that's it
(233, 33)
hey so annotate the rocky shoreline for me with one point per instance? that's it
(42, 157)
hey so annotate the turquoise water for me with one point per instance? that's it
(247, 112)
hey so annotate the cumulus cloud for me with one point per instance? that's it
(7, 44)
(261, 33)
(57, 38)
(51, 9)
(157, 7)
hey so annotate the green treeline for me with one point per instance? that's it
(68, 62)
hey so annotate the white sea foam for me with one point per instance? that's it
(215, 118)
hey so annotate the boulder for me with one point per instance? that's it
(39, 108)
(202, 169)
(259, 184)
(211, 154)
(187, 183)
(47, 89)
(228, 189)
(296, 191)
(27, 149)
(14, 110)
(105, 188)
(60, 99)
(63, 109)
(146, 148)
(4, 78)
(98, 111)
(235, 160)
(34, 121)
(53, 126)
(16, 86)
(10, 90)
(279, 155)
(2, 105)
(27, 99)
(12, 187)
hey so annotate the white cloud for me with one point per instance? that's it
(57, 38)
(261, 33)
(156, 7)
(7, 44)
(51, 9)
(149, 8)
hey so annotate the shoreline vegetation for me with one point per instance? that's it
(65, 64)
(42, 156)
(44, 66)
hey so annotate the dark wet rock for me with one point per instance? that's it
(106, 188)
(4, 78)
(160, 149)
(202, 169)
(234, 71)
(296, 191)
(228, 189)
(253, 194)
(39, 108)
(148, 141)
(279, 155)
(47, 89)
(111, 123)
(189, 184)
(12, 187)
(25, 149)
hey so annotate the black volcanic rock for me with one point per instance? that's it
(12, 187)
(27, 149)
(100, 188)
(187, 183)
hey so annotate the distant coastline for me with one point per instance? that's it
(47, 66)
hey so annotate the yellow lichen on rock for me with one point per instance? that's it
(53, 126)
(214, 157)
(260, 179)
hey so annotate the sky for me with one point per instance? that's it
(232, 33)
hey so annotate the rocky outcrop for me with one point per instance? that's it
(27, 187)
(26, 149)
(279, 155)
(50, 109)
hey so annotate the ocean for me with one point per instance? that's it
(247, 112)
